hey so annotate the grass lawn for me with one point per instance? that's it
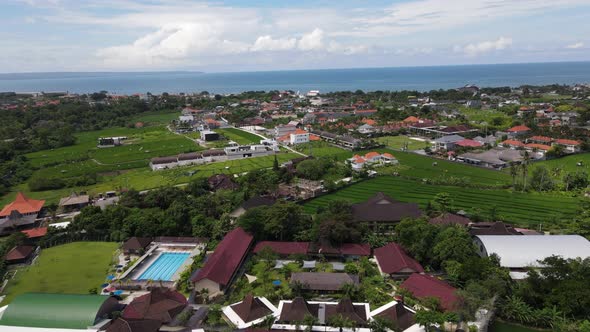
(526, 209)
(399, 142)
(239, 136)
(72, 268)
(320, 149)
(156, 118)
(493, 118)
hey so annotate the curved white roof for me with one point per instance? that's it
(516, 251)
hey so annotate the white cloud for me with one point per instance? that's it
(483, 47)
(312, 41)
(267, 43)
(575, 45)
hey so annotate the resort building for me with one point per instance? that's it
(74, 202)
(21, 212)
(247, 151)
(45, 312)
(323, 282)
(371, 159)
(518, 131)
(448, 142)
(392, 260)
(248, 312)
(21, 254)
(425, 286)
(109, 142)
(450, 219)
(298, 136)
(221, 267)
(383, 210)
(569, 145)
(518, 253)
(136, 245)
(400, 315)
(159, 304)
(209, 136)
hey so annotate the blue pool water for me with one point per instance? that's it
(164, 267)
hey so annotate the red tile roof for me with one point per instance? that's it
(423, 286)
(226, 258)
(539, 146)
(512, 142)
(567, 141)
(468, 143)
(518, 129)
(283, 248)
(23, 205)
(19, 253)
(541, 139)
(392, 258)
(160, 304)
(35, 232)
(411, 119)
(355, 249)
(371, 154)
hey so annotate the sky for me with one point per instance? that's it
(246, 35)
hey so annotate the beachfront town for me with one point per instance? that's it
(448, 210)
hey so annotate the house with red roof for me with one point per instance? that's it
(513, 144)
(20, 254)
(248, 312)
(297, 136)
(160, 304)
(539, 139)
(283, 248)
(22, 211)
(222, 266)
(371, 159)
(570, 145)
(393, 260)
(519, 130)
(468, 143)
(535, 147)
(423, 286)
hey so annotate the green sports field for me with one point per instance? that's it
(526, 209)
(72, 268)
(239, 136)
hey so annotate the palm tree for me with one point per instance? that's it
(525, 168)
(268, 322)
(513, 173)
(309, 321)
(341, 322)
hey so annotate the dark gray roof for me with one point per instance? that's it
(383, 208)
(324, 281)
(163, 160)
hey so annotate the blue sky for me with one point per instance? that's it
(242, 35)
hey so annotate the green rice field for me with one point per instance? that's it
(144, 178)
(72, 268)
(399, 142)
(525, 209)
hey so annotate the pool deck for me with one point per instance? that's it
(145, 261)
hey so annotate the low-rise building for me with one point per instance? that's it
(220, 268)
(446, 142)
(371, 159)
(21, 212)
(392, 260)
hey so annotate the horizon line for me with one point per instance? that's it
(279, 70)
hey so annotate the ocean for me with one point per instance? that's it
(369, 79)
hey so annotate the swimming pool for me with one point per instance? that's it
(164, 267)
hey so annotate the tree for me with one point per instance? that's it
(513, 173)
(340, 322)
(275, 164)
(575, 180)
(453, 243)
(525, 169)
(442, 202)
(417, 237)
(541, 179)
(429, 319)
(309, 321)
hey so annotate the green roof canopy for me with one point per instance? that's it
(68, 311)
